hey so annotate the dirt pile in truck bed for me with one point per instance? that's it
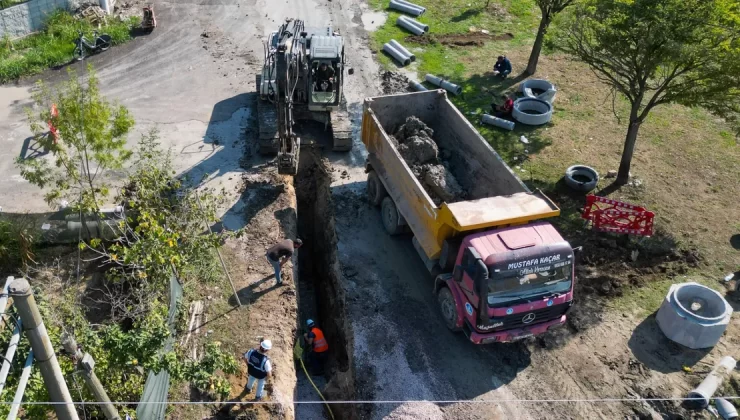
(415, 142)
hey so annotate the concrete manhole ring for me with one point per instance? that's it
(532, 111)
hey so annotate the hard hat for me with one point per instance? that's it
(309, 322)
(266, 344)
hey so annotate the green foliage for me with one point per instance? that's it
(657, 52)
(164, 226)
(92, 139)
(54, 45)
(123, 358)
(17, 240)
(202, 374)
(4, 4)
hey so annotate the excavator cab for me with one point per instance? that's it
(324, 83)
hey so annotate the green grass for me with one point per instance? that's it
(518, 17)
(4, 4)
(54, 46)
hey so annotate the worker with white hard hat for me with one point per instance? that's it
(258, 368)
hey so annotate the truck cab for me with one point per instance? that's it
(508, 284)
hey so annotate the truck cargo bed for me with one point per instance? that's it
(496, 196)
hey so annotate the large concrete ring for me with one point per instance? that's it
(547, 88)
(540, 112)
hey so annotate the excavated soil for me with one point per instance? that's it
(475, 39)
(394, 83)
(415, 142)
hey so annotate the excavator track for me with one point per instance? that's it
(267, 119)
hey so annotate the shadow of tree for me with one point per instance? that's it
(466, 15)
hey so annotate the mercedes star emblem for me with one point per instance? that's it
(528, 318)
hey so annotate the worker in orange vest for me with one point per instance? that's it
(318, 348)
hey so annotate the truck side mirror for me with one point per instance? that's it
(577, 250)
(457, 273)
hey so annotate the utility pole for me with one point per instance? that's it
(85, 365)
(43, 351)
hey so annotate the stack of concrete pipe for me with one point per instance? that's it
(399, 52)
(412, 25)
(444, 84)
(407, 7)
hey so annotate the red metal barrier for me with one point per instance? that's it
(609, 215)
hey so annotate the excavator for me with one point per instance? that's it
(291, 89)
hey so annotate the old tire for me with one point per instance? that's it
(375, 189)
(390, 216)
(448, 308)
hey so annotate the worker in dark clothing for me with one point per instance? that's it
(258, 367)
(504, 110)
(317, 348)
(280, 254)
(502, 68)
(325, 73)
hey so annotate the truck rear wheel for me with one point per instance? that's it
(375, 189)
(447, 308)
(390, 216)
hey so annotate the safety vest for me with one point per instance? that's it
(256, 364)
(319, 342)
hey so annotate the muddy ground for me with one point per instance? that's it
(459, 40)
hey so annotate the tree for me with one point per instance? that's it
(92, 138)
(656, 52)
(549, 9)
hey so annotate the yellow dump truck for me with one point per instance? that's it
(500, 273)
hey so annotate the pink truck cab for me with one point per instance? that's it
(508, 284)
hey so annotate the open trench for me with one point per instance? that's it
(320, 293)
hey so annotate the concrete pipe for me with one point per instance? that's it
(498, 122)
(397, 45)
(725, 409)
(412, 25)
(401, 7)
(404, 60)
(532, 111)
(408, 3)
(701, 395)
(547, 91)
(416, 86)
(438, 81)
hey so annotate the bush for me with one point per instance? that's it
(54, 45)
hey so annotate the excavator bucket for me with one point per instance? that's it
(288, 157)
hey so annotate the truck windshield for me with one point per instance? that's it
(530, 282)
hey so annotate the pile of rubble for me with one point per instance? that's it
(414, 141)
(394, 83)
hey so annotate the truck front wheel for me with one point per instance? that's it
(391, 218)
(448, 308)
(375, 189)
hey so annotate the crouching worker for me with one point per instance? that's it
(504, 110)
(502, 68)
(317, 348)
